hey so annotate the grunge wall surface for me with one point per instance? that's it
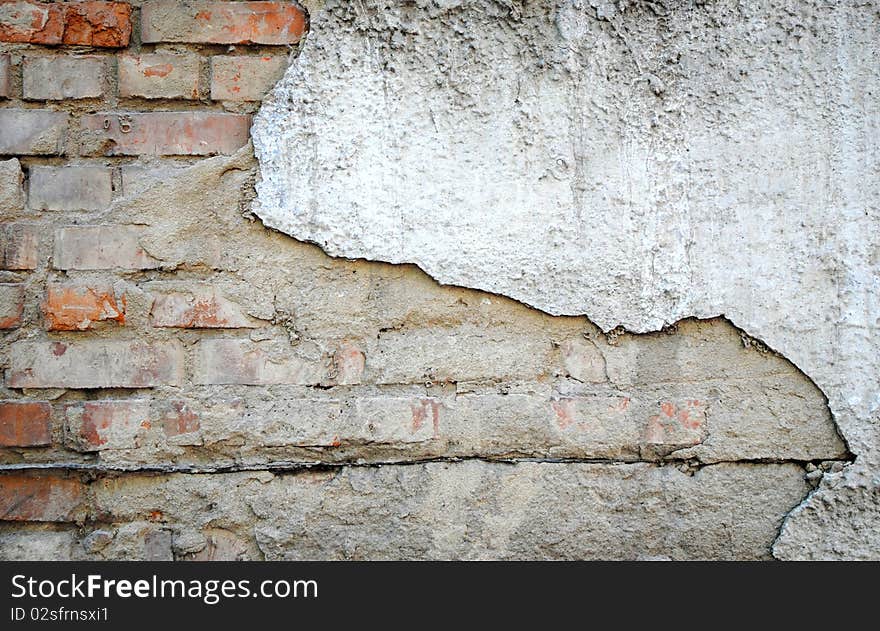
(181, 381)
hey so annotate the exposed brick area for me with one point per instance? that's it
(165, 133)
(81, 307)
(63, 77)
(70, 188)
(32, 132)
(25, 424)
(245, 78)
(41, 498)
(18, 246)
(11, 305)
(222, 22)
(100, 24)
(5, 76)
(101, 247)
(159, 76)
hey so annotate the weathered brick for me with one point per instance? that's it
(11, 192)
(165, 133)
(349, 362)
(62, 77)
(221, 361)
(91, 23)
(5, 77)
(41, 498)
(70, 188)
(159, 76)
(101, 425)
(244, 78)
(582, 360)
(18, 246)
(179, 419)
(79, 307)
(95, 364)
(32, 22)
(101, 247)
(463, 353)
(222, 22)
(25, 423)
(11, 305)
(202, 309)
(102, 24)
(32, 132)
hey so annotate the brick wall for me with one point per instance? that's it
(150, 324)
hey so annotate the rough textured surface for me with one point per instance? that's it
(633, 162)
(465, 510)
(181, 382)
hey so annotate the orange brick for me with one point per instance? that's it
(79, 307)
(166, 133)
(32, 22)
(245, 78)
(179, 419)
(41, 498)
(25, 424)
(222, 22)
(102, 24)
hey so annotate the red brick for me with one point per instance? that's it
(5, 77)
(245, 78)
(11, 305)
(18, 246)
(79, 307)
(222, 22)
(165, 133)
(101, 247)
(199, 310)
(95, 364)
(41, 498)
(101, 24)
(101, 425)
(31, 22)
(25, 424)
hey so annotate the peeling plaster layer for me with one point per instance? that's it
(628, 162)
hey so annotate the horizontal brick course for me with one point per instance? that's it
(90, 23)
(32, 132)
(62, 77)
(165, 133)
(101, 247)
(25, 424)
(70, 188)
(95, 364)
(207, 22)
(159, 76)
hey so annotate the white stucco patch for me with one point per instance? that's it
(630, 163)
